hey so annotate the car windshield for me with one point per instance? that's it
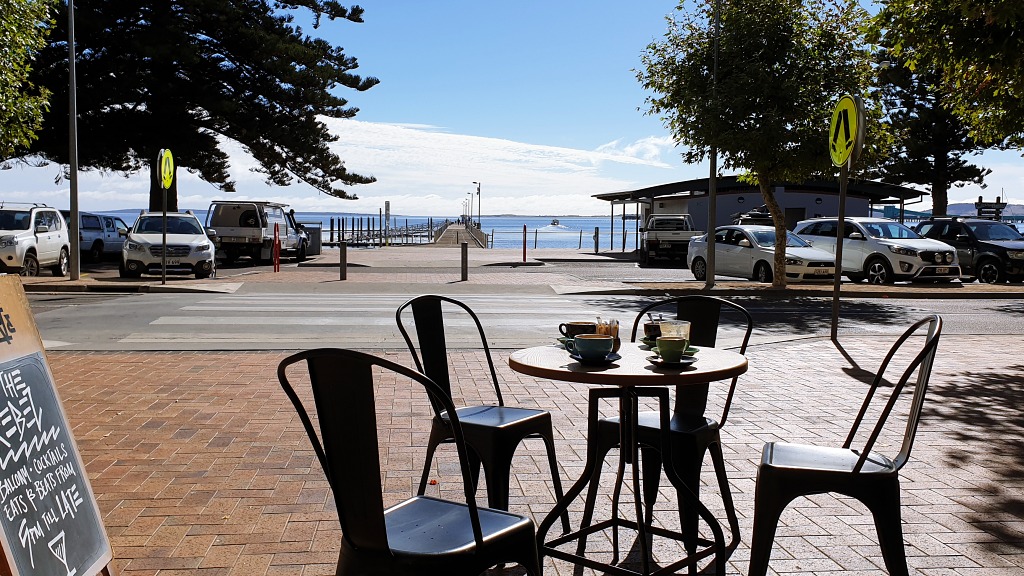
(14, 219)
(176, 225)
(889, 230)
(996, 231)
(766, 238)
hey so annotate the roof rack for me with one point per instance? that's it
(29, 204)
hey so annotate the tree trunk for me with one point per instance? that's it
(940, 198)
(779, 219)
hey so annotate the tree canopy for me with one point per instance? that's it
(782, 65)
(187, 74)
(977, 49)
(930, 141)
(23, 28)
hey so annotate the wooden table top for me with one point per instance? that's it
(633, 369)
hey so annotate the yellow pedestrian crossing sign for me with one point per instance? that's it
(166, 163)
(846, 133)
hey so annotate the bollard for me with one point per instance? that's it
(465, 261)
(343, 260)
(597, 236)
(524, 242)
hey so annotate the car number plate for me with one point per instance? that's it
(821, 272)
(942, 270)
(666, 245)
(173, 261)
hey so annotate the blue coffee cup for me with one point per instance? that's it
(591, 346)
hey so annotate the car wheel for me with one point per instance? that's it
(125, 273)
(301, 254)
(230, 256)
(96, 252)
(30, 266)
(879, 271)
(60, 269)
(644, 258)
(699, 268)
(989, 272)
(763, 272)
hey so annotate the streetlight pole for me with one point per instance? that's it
(470, 194)
(478, 214)
(713, 175)
(73, 224)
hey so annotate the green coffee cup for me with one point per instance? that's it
(671, 348)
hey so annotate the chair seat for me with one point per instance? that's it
(428, 526)
(498, 416)
(826, 459)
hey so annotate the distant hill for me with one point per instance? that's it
(965, 209)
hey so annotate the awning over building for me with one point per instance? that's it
(873, 192)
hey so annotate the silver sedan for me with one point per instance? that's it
(749, 251)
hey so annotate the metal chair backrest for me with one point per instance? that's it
(347, 444)
(704, 314)
(922, 364)
(432, 357)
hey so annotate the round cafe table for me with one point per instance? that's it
(627, 379)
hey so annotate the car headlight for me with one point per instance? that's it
(794, 262)
(902, 251)
(8, 241)
(1015, 254)
(202, 248)
(134, 246)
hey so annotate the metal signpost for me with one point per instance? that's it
(165, 160)
(846, 139)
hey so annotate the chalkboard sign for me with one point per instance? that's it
(48, 515)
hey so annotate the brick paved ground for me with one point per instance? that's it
(201, 467)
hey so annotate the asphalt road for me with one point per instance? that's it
(290, 319)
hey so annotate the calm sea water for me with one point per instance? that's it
(505, 231)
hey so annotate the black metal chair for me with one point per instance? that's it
(791, 470)
(692, 433)
(492, 432)
(422, 535)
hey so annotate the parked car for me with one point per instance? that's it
(666, 236)
(991, 251)
(33, 236)
(882, 250)
(98, 235)
(748, 251)
(246, 228)
(188, 246)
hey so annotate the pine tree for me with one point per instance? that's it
(22, 34)
(931, 141)
(188, 74)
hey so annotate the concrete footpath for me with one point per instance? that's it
(200, 465)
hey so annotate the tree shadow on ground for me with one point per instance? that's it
(986, 408)
(796, 315)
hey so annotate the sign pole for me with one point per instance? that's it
(844, 177)
(165, 163)
(846, 140)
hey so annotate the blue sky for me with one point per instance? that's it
(538, 101)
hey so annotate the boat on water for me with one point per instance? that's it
(554, 222)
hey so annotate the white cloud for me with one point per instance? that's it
(421, 170)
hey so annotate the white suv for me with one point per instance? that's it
(188, 246)
(33, 236)
(882, 250)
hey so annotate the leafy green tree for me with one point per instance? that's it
(782, 66)
(931, 141)
(23, 28)
(976, 47)
(189, 74)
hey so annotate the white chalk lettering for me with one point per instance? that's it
(45, 485)
(52, 457)
(28, 535)
(11, 483)
(50, 518)
(69, 501)
(15, 507)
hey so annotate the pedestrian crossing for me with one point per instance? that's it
(295, 321)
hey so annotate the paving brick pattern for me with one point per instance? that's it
(200, 466)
